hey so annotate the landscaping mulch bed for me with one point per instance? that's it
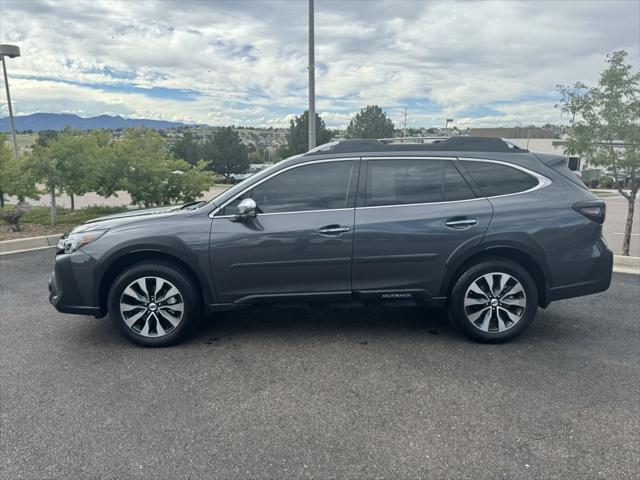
(32, 230)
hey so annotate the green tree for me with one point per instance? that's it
(64, 161)
(298, 135)
(149, 172)
(256, 156)
(188, 185)
(110, 165)
(46, 136)
(605, 126)
(15, 179)
(46, 168)
(143, 163)
(371, 122)
(226, 153)
(75, 154)
(187, 148)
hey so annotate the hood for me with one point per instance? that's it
(118, 219)
(137, 213)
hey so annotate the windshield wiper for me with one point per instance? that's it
(192, 205)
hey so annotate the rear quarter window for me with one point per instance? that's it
(495, 179)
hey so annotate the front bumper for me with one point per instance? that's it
(71, 285)
(597, 279)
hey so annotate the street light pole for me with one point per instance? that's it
(10, 51)
(312, 82)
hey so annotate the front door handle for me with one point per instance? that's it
(461, 222)
(333, 230)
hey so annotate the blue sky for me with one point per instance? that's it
(483, 63)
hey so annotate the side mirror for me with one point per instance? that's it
(247, 208)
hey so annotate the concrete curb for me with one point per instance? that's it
(621, 263)
(624, 261)
(28, 244)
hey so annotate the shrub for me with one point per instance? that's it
(41, 215)
(606, 182)
(12, 218)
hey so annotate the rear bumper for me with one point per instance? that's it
(597, 279)
(70, 286)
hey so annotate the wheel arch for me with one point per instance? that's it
(127, 259)
(529, 259)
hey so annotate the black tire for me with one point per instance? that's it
(460, 314)
(166, 334)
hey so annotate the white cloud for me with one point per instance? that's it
(245, 62)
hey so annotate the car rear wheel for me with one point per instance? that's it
(154, 304)
(493, 301)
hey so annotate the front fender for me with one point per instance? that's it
(183, 240)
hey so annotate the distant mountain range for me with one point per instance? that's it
(58, 121)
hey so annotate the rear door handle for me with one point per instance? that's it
(461, 222)
(333, 230)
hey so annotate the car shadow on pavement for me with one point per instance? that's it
(361, 324)
(322, 321)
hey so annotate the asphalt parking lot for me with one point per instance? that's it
(318, 393)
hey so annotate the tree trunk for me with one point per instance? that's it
(73, 202)
(53, 206)
(628, 226)
(1, 199)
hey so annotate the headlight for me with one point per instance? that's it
(74, 241)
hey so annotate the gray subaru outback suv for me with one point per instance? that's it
(476, 225)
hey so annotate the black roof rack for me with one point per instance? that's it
(453, 144)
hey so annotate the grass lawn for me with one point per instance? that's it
(42, 215)
(606, 194)
(37, 221)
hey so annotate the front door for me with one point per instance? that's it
(299, 243)
(412, 215)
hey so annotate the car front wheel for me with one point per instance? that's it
(154, 304)
(493, 301)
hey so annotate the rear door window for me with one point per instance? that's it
(412, 181)
(496, 179)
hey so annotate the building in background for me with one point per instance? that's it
(548, 139)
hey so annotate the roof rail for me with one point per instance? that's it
(405, 140)
(451, 144)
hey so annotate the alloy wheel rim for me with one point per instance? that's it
(151, 306)
(495, 302)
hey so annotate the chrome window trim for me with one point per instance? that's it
(290, 167)
(542, 182)
(291, 213)
(421, 204)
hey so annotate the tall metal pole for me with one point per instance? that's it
(13, 126)
(404, 130)
(312, 82)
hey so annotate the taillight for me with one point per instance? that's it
(594, 210)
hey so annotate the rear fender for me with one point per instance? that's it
(519, 247)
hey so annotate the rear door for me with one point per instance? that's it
(412, 215)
